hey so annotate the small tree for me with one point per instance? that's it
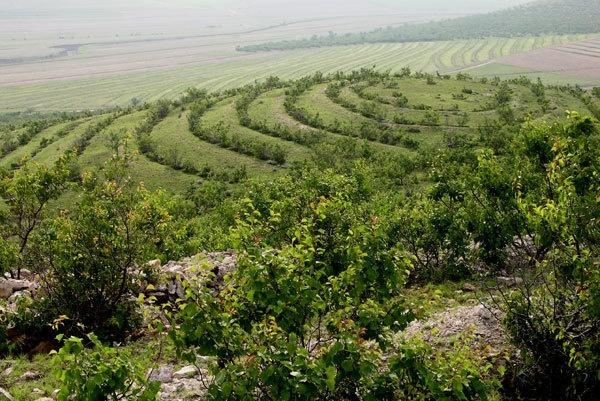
(503, 95)
(26, 194)
(90, 252)
(555, 319)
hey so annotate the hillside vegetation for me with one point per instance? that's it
(256, 130)
(535, 19)
(347, 205)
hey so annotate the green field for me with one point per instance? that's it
(110, 90)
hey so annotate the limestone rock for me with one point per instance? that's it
(163, 374)
(29, 376)
(186, 372)
(154, 264)
(172, 275)
(509, 281)
(10, 286)
(18, 295)
(5, 395)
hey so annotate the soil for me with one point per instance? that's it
(581, 59)
(483, 323)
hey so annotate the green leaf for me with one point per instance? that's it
(331, 374)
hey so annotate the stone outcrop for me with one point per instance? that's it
(167, 285)
(183, 384)
(9, 286)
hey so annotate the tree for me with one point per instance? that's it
(308, 291)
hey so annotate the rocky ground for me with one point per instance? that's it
(480, 324)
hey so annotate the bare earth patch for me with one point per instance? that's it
(581, 59)
(483, 324)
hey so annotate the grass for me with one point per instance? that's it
(225, 112)
(26, 151)
(448, 95)
(173, 139)
(52, 152)
(316, 103)
(152, 175)
(268, 108)
(109, 90)
(428, 136)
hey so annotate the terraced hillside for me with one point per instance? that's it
(395, 122)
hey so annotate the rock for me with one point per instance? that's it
(19, 294)
(175, 288)
(38, 391)
(468, 287)
(483, 312)
(55, 393)
(8, 371)
(26, 274)
(44, 399)
(163, 374)
(5, 395)
(5, 289)
(485, 323)
(29, 376)
(509, 281)
(10, 286)
(186, 372)
(154, 264)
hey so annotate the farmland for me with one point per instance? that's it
(575, 60)
(63, 91)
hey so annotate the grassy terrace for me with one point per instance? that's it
(268, 108)
(225, 113)
(173, 139)
(36, 144)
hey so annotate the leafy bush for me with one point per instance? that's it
(100, 374)
(556, 319)
(422, 372)
(89, 254)
(302, 315)
(26, 194)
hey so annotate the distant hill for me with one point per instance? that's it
(537, 18)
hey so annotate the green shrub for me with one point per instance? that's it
(89, 253)
(556, 319)
(26, 194)
(303, 314)
(100, 374)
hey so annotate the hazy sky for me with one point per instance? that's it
(110, 6)
(99, 19)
